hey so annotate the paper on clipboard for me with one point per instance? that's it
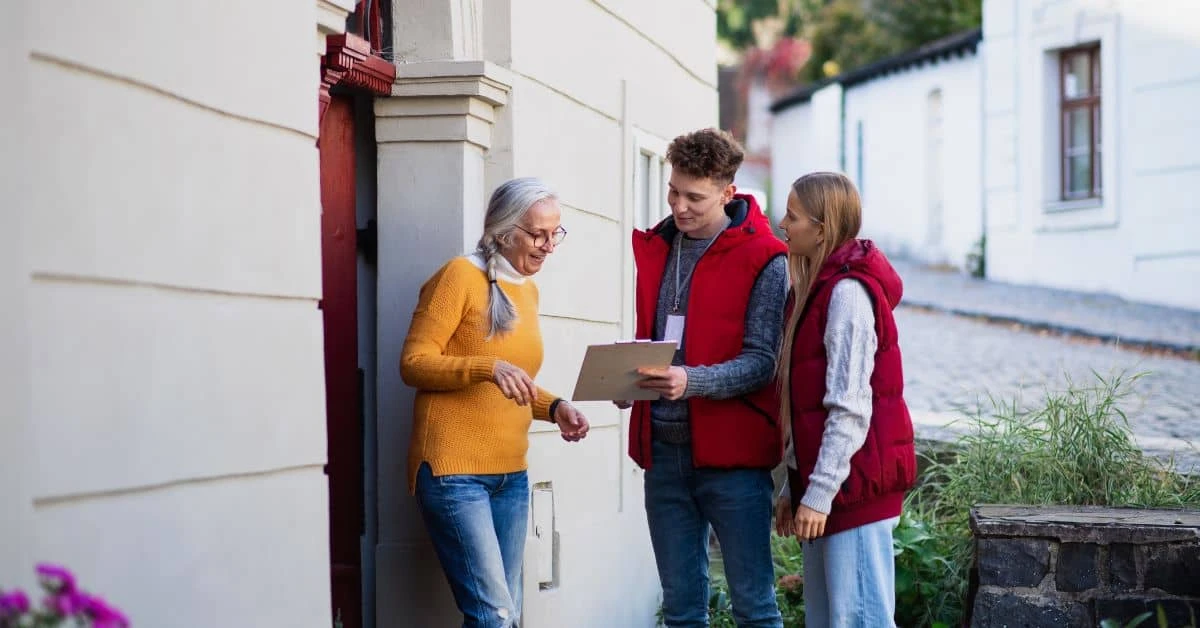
(609, 372)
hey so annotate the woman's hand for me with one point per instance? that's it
(571, 422)
(783, 517)
(514, 382)
(809, 524)
(670, 382)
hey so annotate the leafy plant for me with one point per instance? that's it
(736, 19)
(1075, 447)
(787, 555)
(788, 559)
(923, 566)
(1135, 622)
(720, 607)
(1161, 617)
(843, 38)
(64, 602)
(914, 22)
(977, 258)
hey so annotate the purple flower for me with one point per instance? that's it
(66, 604)
(63, 601)
(103, 615)
(57, 579)
(13, 603)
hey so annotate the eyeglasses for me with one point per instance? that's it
(540, 238)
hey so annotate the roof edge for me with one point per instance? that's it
(965, 41)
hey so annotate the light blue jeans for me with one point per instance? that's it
(850, 578)
(681, 502)
(477, 524)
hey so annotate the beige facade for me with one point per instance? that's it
(163, 410)
(162, 401)
(16, 527)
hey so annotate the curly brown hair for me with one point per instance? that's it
(706, 154)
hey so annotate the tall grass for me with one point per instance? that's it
(1072, 447)
(1075, 447)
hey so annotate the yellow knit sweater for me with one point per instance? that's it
(462, 423)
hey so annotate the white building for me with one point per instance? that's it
(192, 286)
(1069, 141)
(1092, 146)
(907, 131)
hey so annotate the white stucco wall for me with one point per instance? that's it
(754, 176)
(896, 160)
(897, 177)
(16, 459)
(826, 129)
(1137, 241)
(579, 109)
(792, 154)
(174, 418)
(805, 138)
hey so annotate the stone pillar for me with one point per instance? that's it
(433, 134)
(435, 30)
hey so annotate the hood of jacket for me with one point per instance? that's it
(862, 256)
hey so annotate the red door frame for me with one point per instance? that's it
(339, 307)
(350, 62)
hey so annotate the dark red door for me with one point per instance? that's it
(339, 304)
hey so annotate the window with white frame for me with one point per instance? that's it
(648, 206)
(650, 173)
(1079, 122)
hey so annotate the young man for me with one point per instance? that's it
(713, 277)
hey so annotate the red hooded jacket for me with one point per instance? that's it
(886, 465)
(726, 433)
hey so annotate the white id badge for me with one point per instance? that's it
(674, 330)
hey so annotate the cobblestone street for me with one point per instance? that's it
(952, 362)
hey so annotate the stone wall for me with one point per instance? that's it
(1077, 566)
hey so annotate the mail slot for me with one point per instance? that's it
(544, 536)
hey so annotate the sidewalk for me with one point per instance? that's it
(1103, 317)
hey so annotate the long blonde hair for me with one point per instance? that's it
(830, 199)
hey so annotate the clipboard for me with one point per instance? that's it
(609, 372)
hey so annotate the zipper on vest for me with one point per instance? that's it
(759, 411)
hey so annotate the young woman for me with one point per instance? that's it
(849, 435)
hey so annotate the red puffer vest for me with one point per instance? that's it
(885, 468)
(726, 433)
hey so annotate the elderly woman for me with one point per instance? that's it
(472, 352)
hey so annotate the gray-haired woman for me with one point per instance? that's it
(472, 351)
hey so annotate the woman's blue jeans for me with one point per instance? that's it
(477, 524)
(850, 578)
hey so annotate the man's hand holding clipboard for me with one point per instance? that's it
(619, 371)
(670, 382)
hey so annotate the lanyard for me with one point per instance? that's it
(688, 277)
